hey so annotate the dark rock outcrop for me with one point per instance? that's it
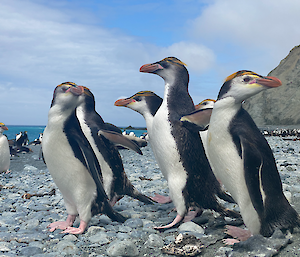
(279, 106)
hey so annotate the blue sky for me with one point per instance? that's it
(102, 44)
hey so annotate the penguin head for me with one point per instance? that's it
(205, 104)
(88, 99)
(141, 102)
(66, 95)
(199, 119)
(2, 127)
(168, 69)
(243, 84)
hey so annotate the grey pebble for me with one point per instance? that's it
(30, 251)
(122, 248)
(23, 222)
(66, 247)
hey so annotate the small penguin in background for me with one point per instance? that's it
(21, 139)
(200, 119)
(243, 160)
(178, 151)
(115, 182)
(72, 163)
(4, 150)
(145, 103)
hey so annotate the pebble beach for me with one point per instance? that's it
(24, 219)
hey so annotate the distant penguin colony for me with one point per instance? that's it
(198, 148)
(4, 150)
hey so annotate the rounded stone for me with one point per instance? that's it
(122, 248)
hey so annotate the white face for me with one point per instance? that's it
(205, 104)
(243, 87)
(139, 106)
(66, 97)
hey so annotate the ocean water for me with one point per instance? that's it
(33, 132)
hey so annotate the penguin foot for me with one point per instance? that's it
(76, 231)
(230, 241)
(175, 223)
(192, 214)
(238, 233)
(161, 199)
(62, 224)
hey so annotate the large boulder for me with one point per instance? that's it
(279, 106)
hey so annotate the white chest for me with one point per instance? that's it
(106, 171)
(227, 164)
(68, 173)
(4, 154)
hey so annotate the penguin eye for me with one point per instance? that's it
(138, 98)
(247, 79)
(64, 89)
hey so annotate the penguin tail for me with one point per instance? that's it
(105, 208)
(141, 197)
(230, 213)
(112, 214)
(224, 196)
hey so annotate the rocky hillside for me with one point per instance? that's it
(280, 106)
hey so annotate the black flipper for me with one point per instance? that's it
(120, 139)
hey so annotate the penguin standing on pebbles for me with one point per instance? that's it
(115, 182)
(72, 162)
(178, 151)
(4, 150)
(243, 161)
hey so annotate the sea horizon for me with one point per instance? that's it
(33, 131)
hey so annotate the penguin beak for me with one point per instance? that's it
(124, 102)
(76, 90)
(4, 128)
(269, 81)
(151, 68)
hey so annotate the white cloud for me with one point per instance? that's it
(41, 48)
(271, 25)
(197, 57)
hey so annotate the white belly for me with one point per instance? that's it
(4, 154)
(167, 156)
(227, 164)
(106, 171)
(69, 174)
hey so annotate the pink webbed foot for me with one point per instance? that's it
(192, 214)
(76, 231)
(238, 233)
(62, 224)
(177, 219)
(161, 199)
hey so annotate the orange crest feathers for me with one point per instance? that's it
(145, 93)
(69, 84)
(174, 60)
(241, 73)
(207, 100)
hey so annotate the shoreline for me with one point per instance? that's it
(24, 222)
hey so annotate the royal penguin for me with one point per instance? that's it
(204, 106)
(115, 182)
(72, 163)
(4, 150)
(147, 103)
(242, 159)
(178, 151)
